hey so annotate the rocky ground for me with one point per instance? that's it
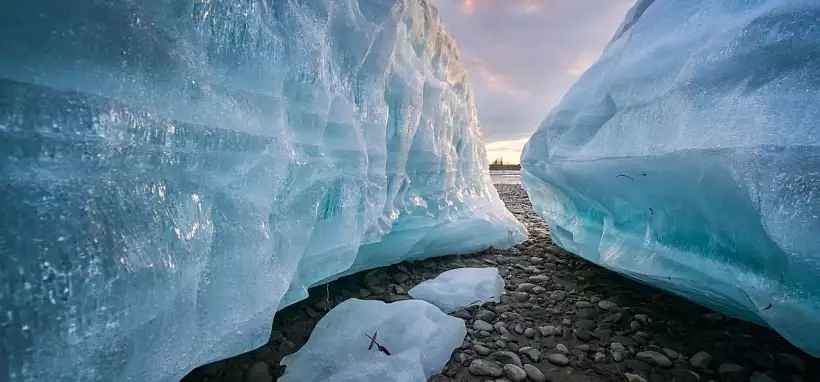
(562, 319)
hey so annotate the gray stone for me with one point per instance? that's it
(617, 346)
(481, 349)
(547, 331)
(655, 358)
(485, 315)
(500, 344)
(506, 357)
(484, 333)
(484, 368)
(634, 364)
(515, 373)
(258, 372)
(518, 329)
(701, 360)
(583, 335)
(462, 314)
(539, 290)
(529, 332)
(482, 325)
(618, 356)
(400, 277)
(599, 357)
(582, 348)
(466, 345)
(635, 326)
(583, 304)
(586, 324)
(525, 287)
(672, 354)
(626, 341)
(376, 277)
(642, 318)
(566, 322)
(558, 359)
(520, 296)
(534, 373)
(562, 348)
(587, 313)
(606, 305)
(612, 318)
(531, 352)
(538, 278)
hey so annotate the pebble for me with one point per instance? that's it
(539, 290)
(500, 344)
(462, 314)
(520, 296)
(655, 358)
(482, 325)
(607, 305)
(506, 357)
(529, 332)
(599, 357)
(518, 329)
(672, 354)
(701, 360)
(562, 348)
(583, 335)
(483, 368)
(531, 352)
(525, 287)
(547, 331)
(558, 359)
(538, 279)
(595, 299)
(515, 373)
(566, 322)
(485, 315)
(481, 349)
(534, 374)
(790, 361)
(618, 356)
(584, 304)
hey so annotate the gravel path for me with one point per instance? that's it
(562, 319)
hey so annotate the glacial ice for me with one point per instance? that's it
(419, 337)
(687, 158)
(459, 288)
(174, 172)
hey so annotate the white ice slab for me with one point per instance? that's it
(460, 288)
(419, 336)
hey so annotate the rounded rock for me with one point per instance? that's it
(655, 358)
(701, 360)
(258, 372)
(606, 305)
(534, 373)
(558, 359)
(484, 368)
(515, 373)
(482, 325)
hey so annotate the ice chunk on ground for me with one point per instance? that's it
(688, 158)
(459, 288)
(171, 169)
(419, 337)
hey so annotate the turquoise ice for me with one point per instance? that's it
(687, 158)
(172, 172)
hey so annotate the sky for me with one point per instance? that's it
(523, 55)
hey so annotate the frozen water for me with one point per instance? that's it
(459, 288)
(687, 158)
(419, 337)
(170, 169)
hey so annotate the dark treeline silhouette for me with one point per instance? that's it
(499, 164)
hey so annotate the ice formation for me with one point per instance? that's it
(687, 158)
(459, 288)
(419, 337)
(171, 169)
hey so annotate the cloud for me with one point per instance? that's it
(509, 151)
(523, 55)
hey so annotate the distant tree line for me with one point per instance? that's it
(499, 164)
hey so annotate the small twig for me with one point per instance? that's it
(379, 346)
(767, 307)
(625, 176)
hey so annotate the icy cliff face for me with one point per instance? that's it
(687, 157)
(174, 171)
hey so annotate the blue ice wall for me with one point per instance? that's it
(172, 172)
(688, 158)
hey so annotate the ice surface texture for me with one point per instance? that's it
(419, 336)
(687, 157)
(460, 288)
(169, 169)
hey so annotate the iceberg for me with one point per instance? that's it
(418, 336)
(688, 157)
(174, 172)
(459, 288)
